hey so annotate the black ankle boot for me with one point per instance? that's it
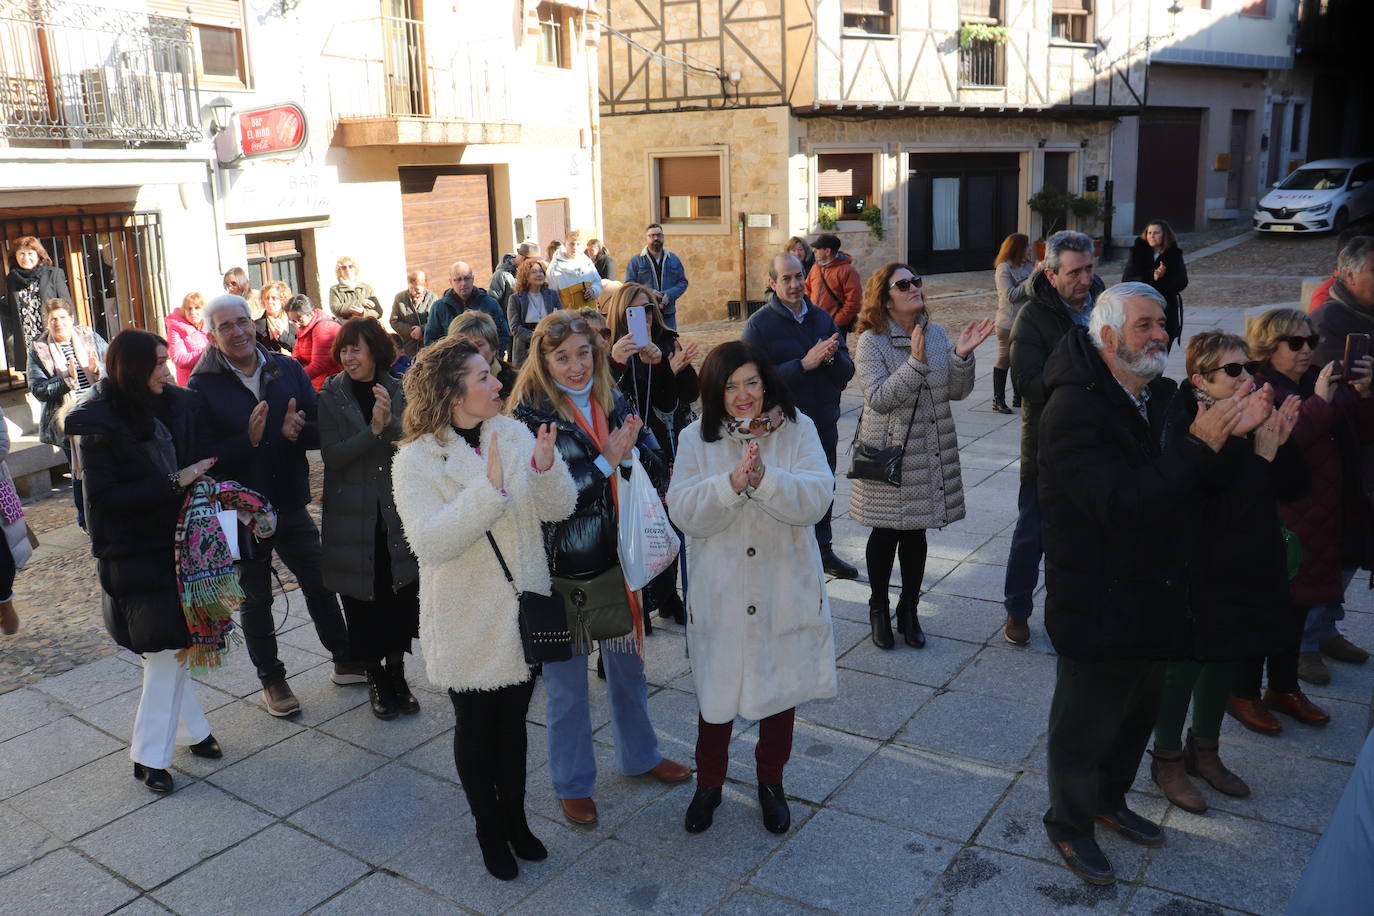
(159, 781)
(999, 390)
(776, 815)
(379, 694)
(497, 858)
(523, 841)
(400, 691)
(908, 624)
(882, 626)
(702, 810)
(670, 607)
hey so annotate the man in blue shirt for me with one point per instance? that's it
(661, 270)
(805, 345)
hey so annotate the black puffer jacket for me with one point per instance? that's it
(1140, 268)
(1113, 506)
(1237, 564)
(131, 513)
(584, 544)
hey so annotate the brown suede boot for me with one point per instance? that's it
(1167, 770)
(1201, 758)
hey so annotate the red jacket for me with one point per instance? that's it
(1321, 293)
(185, 344)
(836, 288)
(313, 345)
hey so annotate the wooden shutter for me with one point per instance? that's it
(224, 13)
(1072, 7)
(866, 7)
(978, 10)
(845, 175)
(689, 176)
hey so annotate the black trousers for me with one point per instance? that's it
(489, 746)
(297, 542)
(829, 434)
(1283, 665)
(386, 624)
(1101, 719)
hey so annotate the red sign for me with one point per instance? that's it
(275, 132)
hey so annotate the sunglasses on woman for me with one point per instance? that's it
(906, 284)
(559, 331)
(1232, 369)
(1295, 342)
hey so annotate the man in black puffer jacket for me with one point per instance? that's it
(1115, 565)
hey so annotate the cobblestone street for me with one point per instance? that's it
(919, 789)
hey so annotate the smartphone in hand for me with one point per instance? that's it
(1357, 347)
(638, 321)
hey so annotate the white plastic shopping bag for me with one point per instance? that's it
(648, 544)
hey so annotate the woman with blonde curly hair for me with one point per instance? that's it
(527, 306)
(470, 482)
(909, 371)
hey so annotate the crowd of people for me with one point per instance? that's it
(480, 450)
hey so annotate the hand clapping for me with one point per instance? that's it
(973, 334)
(821, 351)
(294, 421)
(381, 409)
(543, 447)
(744, 473)
(620, 443)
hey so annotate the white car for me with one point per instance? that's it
(1321, 195)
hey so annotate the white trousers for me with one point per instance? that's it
(169, 711)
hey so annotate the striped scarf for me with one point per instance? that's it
(206, 584)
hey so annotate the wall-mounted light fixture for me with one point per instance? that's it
(221, 111)
(1083, 144)
(1041, 142)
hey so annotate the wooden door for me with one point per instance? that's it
(960, 207)
(448, 216)
(1240, 151)
(550, 222)
(1167, 167)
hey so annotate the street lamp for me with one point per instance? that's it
(221, 110)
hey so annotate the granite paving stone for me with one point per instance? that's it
(867, 705)
(282, 872)
(26, 709)
(392, 738)
(949, 544)
(173, 834)
(933, 666)
(380, 892)
(242, 729)
(750, 902)
(986, 881)
(822, 760)
(899, 866)
(1301, 796)
(143, 906)
(931, 793)
(87, 798)
(116, 715)
(1340, 739)
(449, 862)
(25, 840)
(321, 699)
(974, 580)
(354, 820)
(618, 797)
(1003, 732)
(62, 884)
(1149, 902)
(49, 751)
(90, 684)
(292, 774)
(238, 676)
(954, 617)
(616, 877)
(1009, 673)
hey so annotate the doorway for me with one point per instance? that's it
(1167, 167)
(1240, 154)
(279, 257)
(959, 208)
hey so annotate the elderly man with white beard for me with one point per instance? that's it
(1111, 501)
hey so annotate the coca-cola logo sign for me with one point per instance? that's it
(275, 132)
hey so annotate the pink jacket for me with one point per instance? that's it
(185, 343)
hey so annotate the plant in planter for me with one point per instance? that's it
(827, 217)
(1051, 204)
(873, 215)
(970, 32)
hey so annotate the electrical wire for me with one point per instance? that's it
(703, 68)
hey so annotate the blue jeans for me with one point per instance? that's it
(1023, 560)
(1321, 619)
(670, 319)
(571, 760)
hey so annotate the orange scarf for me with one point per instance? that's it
(598, 430)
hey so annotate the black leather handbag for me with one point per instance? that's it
(543, 623)
(881, 465)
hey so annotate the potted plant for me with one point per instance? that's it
(1054, 206)
(827, 217)
(970, 32)
(873, 215)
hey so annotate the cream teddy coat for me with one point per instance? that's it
(758, 621)
(469, 632)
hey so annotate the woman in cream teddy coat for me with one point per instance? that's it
(463, 471)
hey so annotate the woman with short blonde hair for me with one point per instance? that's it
(351, 297)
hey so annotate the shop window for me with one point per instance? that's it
(688, 188)
(1071, 20)
(554, 27)
(872, 17)
(845, 182)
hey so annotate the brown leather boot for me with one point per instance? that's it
(9, 620)
(1201, 757)
(1167, 770)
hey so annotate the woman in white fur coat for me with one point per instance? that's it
(461, 471)
(751, 481)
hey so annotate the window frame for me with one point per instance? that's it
(851, 223)
(873, 190)
(563, 25)
(723, 224)
(1088, 18)
(858, 30)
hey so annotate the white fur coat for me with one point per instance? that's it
(469, 632)
(758, 624)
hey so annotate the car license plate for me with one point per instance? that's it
(1281, 228)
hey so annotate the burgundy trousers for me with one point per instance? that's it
(770, 754)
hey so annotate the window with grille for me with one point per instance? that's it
(1071, 20)
(688, 188)
(845, 182)
(873, 17)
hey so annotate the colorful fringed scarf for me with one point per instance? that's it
(206, 583)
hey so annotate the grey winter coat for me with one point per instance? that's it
(357, 485)
(932, 491)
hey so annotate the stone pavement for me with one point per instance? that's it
(919, 789)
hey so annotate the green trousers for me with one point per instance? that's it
(1100, 722)
(1207, 686)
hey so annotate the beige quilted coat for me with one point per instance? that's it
(932, 492)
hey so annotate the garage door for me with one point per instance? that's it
(1167, 168)
(447, 215)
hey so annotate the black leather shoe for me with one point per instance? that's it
(701, 812)
(209, 748)
(909, 625)
(836, 567)
(497, 858)
(1133, 827)
(401, 696)
(878, 618)
(379, 694)
(1085, 859)
(777, 817)
(159, 781)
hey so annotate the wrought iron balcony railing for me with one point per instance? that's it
(981, 66)
(69, 71)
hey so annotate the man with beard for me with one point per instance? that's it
(1115, 609)
(659, 269)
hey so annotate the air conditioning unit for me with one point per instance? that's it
(129, 102)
